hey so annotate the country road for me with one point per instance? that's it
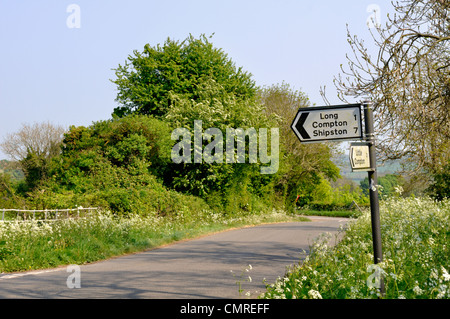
(207, 267)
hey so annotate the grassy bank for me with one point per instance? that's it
(37, 245)
(415, 239)
(336, 213)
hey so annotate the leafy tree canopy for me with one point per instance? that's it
(440, 188)
(303, 166)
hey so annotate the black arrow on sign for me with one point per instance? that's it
(300, 127)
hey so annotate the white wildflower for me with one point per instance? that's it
(398, 189)
(445, 274)
(434, 274)
(314, 294)
(442, 291)
(417, 290)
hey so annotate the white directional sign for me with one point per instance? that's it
(330, 123)
(343, 122)
(359, 157)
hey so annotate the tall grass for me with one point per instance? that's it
(415, 240)
(36, 244)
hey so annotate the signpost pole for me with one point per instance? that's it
(373, 193)
(343, 122)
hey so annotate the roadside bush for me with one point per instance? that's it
(112, 164)
(440, 188)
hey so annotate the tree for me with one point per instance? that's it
(146, 79)
(440, 188)
(112, 164)
(388, 184)
(33, 147)
(8, 197)
(43, 139)
(188, 81)
(303, 166)
(408, 81)
(218, 181)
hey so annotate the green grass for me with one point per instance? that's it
(416, 257)
(337, 213)
(39, 245)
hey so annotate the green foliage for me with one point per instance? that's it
(124, 164)
(11, 168)
(146, 80)
(8, 193)
(305, 184)
(183, 82)
(388, 184)
(217, 108)
(337, 197)
(112, 164)
(440, 188)
(303, 167)
(36, 169)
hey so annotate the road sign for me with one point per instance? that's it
(359, 157)
(343, 122)
(329, 123)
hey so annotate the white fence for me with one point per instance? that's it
(45, 214)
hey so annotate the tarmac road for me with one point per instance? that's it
(198, 268)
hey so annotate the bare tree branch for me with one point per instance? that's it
(409, 81)
(42, 139)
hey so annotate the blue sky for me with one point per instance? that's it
(50, 72)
